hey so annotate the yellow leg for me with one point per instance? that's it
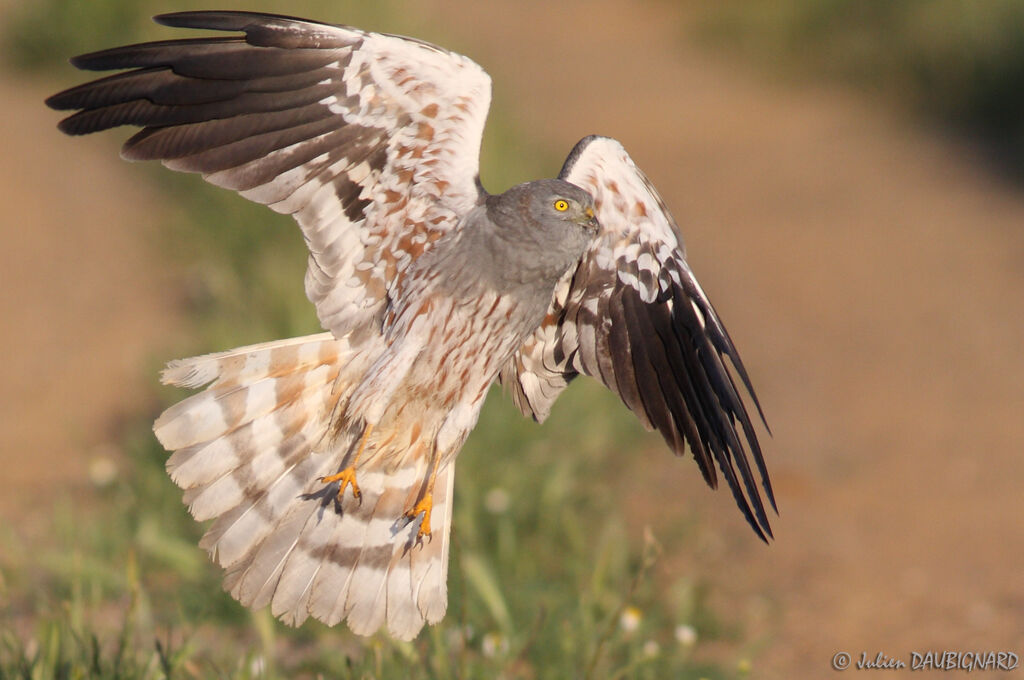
(426, 503)
(348, 475)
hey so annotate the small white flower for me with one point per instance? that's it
(651, 648)
(496, 501)
(630, 619)
(494, 644)
(102, 471)
(686, 635)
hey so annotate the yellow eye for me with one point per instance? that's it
(561, 205)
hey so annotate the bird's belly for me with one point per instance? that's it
(463, 345)
(466, 347)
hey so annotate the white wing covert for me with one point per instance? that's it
(633, 316)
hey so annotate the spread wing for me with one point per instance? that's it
(633, 316)
(371, 142)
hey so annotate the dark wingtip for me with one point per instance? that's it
(766, 484)
(54, 101)
(726, 401)
(89, 61)
(222, 20)
(759, 522)
(756, 517)
(68, 126)
(63, 101)
(178, 19)
(212, 20)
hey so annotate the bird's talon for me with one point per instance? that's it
(346, 477)
(425, 505)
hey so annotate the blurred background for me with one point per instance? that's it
(848, 175)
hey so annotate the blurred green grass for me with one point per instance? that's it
(546, 579)
(957, 62)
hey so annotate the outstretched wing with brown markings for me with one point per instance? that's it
(633, 316)
(371, 142)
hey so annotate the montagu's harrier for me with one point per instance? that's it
(328, 461)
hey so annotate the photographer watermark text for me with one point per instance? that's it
(937, 660)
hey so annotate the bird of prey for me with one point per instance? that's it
(328, 461)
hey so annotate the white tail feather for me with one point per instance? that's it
(250, 451)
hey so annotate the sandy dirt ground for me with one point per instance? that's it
(869, 272)
(83, 301)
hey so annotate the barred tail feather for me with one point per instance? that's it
(264, 359)
(250, 451)
(429, 569)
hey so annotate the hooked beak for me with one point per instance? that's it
(591, 222)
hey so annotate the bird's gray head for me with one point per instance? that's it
(545, 226)
(542, 228)
(525, 238)
(551, 213)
